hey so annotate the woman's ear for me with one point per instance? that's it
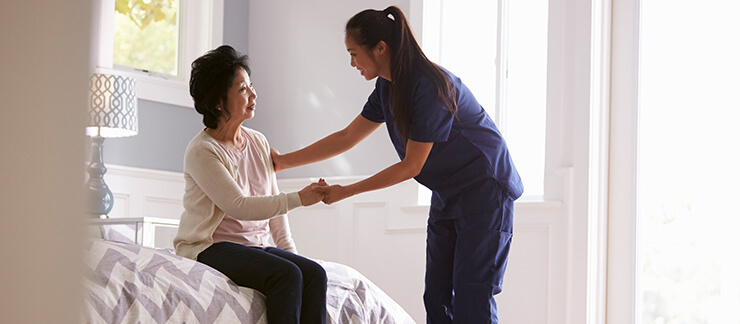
(381, 48)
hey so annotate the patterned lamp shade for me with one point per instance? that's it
(112, 109)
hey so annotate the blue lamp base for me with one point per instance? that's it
(99, 196)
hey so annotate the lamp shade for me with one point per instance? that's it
(112, 107)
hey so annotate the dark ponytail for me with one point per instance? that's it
(368, 28)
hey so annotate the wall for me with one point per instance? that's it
(306, 88)
(43, 88)
(164, 132)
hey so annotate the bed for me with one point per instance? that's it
(129, 283)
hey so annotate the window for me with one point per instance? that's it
(160, 59)
(499, 49)
(672, 225)
(146, 36)
(687, 172)
(524, 87)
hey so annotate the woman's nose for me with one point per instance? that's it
(352, 62)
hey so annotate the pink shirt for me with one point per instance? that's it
(252, 177)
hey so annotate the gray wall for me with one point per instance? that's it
(306, 89)
(236, 23)
(305, 86)
(164, 133)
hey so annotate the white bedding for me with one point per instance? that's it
(129, 283)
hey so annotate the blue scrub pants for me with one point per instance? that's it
(294, 286)
(466, 258)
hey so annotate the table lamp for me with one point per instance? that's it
(112, 112)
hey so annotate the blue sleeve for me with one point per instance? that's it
(373, 109)
(430, 119)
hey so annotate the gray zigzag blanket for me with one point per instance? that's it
(128, 283)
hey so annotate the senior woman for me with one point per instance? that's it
(232, 203)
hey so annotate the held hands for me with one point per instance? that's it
(310, 195)
(333, 193)
(321, 191)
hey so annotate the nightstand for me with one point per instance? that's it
(147, 231)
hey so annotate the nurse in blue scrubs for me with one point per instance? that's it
(447, 142)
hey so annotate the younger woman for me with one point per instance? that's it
(447, 142)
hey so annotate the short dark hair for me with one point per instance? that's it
(210, 79)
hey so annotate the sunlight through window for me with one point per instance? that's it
(688, 163)
(146, 35)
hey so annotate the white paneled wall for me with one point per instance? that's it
(145, 192)
(382, 234)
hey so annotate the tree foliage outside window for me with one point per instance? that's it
(146, 35)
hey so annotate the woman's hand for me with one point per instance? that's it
(276, 160)
(310, 194)
(333, 193)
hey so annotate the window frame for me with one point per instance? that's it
(621, 298)
(201, 29)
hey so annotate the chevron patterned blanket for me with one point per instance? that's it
(127, 283)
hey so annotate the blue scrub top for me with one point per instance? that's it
(467, 149)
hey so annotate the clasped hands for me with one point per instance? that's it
(321, 191)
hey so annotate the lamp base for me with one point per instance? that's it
(99, 196)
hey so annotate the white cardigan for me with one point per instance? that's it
(211, 190)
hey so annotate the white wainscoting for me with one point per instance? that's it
(382, 234)
(145, 192)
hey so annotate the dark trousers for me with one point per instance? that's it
(466, 260)
(294, 286)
